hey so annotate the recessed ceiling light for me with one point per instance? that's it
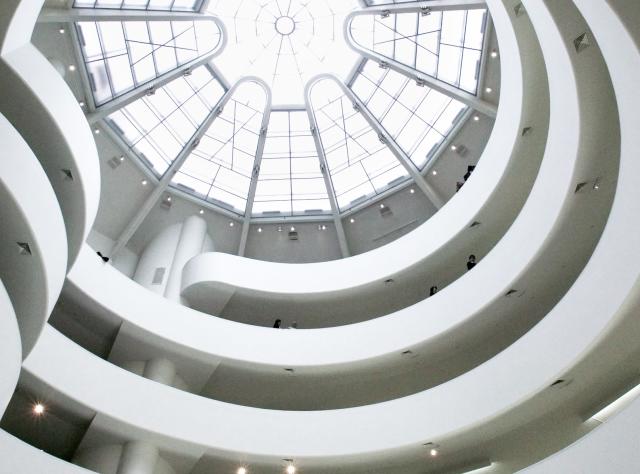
(381, 205)
(279, 228)
(291, 469)
(72, 67)
(201, 211)
(38, 409)
(293, 229)
(433, 452)
(61, 30)
(488, 90)
(81, 103)
(121, 158)
(259, 229)
(476, 117)
(352, 220)
(231, 224)
(454, 148)
(494, 54)
(96, 131)
(434, 172)
(144, 182)
(242, 470)
(412, 191)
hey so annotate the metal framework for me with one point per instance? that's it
(408, 68)
(165, 181)
(353, 105)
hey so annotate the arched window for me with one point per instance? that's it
(120, 56)
(157, 127)
(359, 163)
(220, 168)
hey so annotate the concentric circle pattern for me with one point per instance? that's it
(333, 237)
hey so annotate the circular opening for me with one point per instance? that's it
(285, 25)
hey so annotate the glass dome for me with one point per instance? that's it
(284, 108)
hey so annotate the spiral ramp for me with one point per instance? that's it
(521, 365)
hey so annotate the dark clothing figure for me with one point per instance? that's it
(469, 171)
(277, 324)
(471, 262)
(433, 290)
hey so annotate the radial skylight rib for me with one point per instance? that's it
(157, 127)
(360, 165)
(121, 56)
(446, 45)
(161, 5)
(417, 118)
(220, 168)
(290, 182)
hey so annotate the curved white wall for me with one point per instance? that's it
(30, 215)
(10, 350)
(597, 312)
(45, 112)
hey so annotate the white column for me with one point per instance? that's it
(160, 370)
(190, 244)
(138, 458)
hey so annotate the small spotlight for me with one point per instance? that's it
(293, 229)
(61, 30)
(121, 158)
(434, 172)
(433, 452)
(454, 148)
(144, 182)
(291, 469)
(412, 191)
(201, 211)
(168, 198)
(494, 54)
(488, 90)
(381, 205)
(476, 118)
(259, 229)
(81, 103)
(352, 220)
(242, 470)
(38, 409)
(231, 224)
(72, 67)
(96, 131)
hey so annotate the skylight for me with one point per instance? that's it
(446, 45)
(418, 118)
(120, 56)
(247, 138)
(170, 5)
(219, 169)
(158, 126)
(285, 42)
(360, 165)
(290, 182)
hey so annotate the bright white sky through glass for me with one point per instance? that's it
(259, 45)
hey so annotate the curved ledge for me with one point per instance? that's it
(43, 109)
(20, 458)
(10, 349)
(476, 297)
(30, 216)
(584, 321)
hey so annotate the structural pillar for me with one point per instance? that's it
(138, 458)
